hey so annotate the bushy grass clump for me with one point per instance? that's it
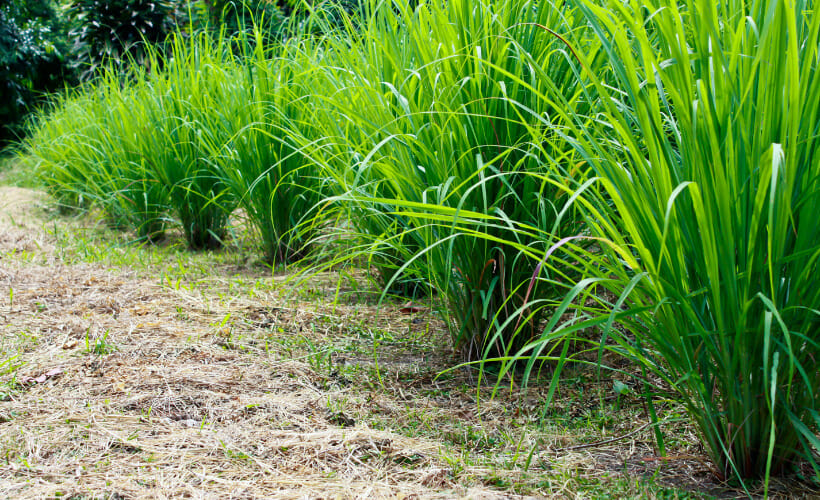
(194, 140)
(88, 154)
(435, 111)
(706, 151)
(279, 189)
(134, 146)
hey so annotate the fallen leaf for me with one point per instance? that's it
(70, 344)
(409, 308)
(41, 378)
(120, 386)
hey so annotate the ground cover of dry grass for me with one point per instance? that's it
(130, 372)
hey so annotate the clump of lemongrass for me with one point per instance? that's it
(706, 151)
(433, 107)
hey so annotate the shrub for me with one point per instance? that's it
(118, 32)
(33, 50)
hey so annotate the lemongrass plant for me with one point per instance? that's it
(433, 107)
(84, 151)
(209, 129)
(706, 152)
(179, 127)
(276, 186)
(134, 145)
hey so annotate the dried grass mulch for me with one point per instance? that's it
(118, 397)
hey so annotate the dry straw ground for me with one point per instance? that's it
(127, 382)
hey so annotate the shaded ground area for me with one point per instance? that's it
(174, 375)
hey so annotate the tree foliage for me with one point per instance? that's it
(117, 31)
(33, 56)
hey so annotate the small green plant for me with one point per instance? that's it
(99, 346)
(10, 364)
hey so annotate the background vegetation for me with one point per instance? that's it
(47, 46)
(34, 52)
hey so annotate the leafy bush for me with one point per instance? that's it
(116, 31)
(33, 49)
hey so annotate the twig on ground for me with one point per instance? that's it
(605, 441)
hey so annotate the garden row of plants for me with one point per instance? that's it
(647, 172)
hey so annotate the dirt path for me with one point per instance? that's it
(108, 391)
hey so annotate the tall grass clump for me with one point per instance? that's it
(88, 153)
(706, 148)
(278, 188)
(207, 130)
(434, 109)
(180, 125)
(135, 145)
